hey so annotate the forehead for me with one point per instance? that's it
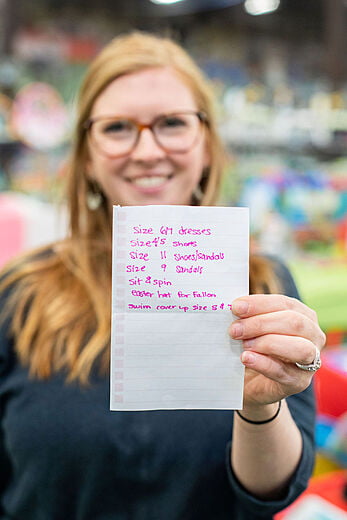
(145, 94)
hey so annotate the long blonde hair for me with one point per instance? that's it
(60, 295)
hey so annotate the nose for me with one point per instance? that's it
(147, 149)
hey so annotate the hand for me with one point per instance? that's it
(276, 331)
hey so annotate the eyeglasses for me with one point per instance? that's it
(117, 136)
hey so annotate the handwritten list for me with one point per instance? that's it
(176, 271)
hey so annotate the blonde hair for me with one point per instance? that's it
(124, 55)
(60, 295)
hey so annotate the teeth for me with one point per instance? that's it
(150, 182)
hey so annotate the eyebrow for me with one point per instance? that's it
(161, 114)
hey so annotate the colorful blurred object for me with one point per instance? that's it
(322, 285)
(323, 500)
(331, 383)
(39, 116)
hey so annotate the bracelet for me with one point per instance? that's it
(261, 422)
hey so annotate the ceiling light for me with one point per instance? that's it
(166, 2)
(256, 7)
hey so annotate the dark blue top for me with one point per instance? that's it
(65, 456)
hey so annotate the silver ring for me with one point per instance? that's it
(314, 366)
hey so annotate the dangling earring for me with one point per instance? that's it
(94, 198)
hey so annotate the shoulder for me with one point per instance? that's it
(268, 274)
(18, 280)
(25, 264)
(285, 277)
(14, 278)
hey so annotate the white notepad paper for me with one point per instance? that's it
(176, 271)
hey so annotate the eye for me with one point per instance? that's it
(173, 121)
(118, 126)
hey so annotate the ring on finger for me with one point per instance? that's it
(314, 366)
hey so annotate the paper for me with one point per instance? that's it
(176, 271)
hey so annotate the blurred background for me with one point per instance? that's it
(279, 68)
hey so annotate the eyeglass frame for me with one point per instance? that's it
(141, 126)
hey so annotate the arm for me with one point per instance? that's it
(277, 332)
(264, 457)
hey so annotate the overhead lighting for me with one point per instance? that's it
(256, 7)
(166, 2)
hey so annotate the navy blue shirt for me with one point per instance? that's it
(65, 456)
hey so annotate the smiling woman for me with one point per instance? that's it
(145, 134)
(152, 150)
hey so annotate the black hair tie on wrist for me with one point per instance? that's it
(261, 422)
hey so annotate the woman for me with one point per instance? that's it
(64, 454)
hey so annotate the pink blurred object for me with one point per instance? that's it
(27, 223)
(11, 229)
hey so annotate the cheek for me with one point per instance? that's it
(102, 168)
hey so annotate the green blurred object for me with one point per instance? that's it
(323, 287)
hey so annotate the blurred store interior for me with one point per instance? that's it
(279, 68)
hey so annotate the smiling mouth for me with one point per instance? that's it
(153, 181)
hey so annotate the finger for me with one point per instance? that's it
(287, 348)
(285, 375)
(255, 304)
(290, 323)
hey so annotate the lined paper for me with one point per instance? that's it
(176, 271)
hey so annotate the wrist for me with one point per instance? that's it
(260, 415)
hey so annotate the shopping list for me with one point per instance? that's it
(176, 271)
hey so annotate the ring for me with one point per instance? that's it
(314, 366)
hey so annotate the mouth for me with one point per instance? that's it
(150, 182)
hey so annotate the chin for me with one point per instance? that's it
(157, 201)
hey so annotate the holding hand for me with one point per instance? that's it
(278, 333)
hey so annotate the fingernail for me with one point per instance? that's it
(236, 330)
(247, 358)
(240, 307)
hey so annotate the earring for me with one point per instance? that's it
(94, 198)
